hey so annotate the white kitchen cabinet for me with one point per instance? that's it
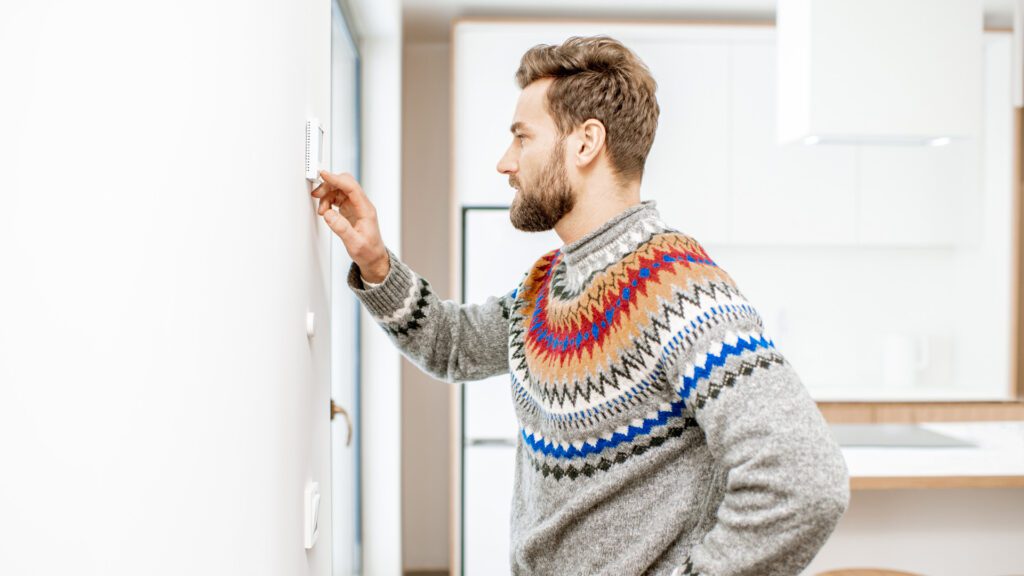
(789, 194)
(912, 195)
(929, 195)
(841, 194)
(487, 512)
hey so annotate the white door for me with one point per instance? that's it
(344, 311)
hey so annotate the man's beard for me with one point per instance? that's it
(538, 208)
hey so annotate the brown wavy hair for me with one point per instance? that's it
(598, 77)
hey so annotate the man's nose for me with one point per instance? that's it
(506, 165)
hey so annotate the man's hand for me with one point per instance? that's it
(356, 224)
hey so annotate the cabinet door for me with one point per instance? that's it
(792, 194)
(925, 195)
(487, 509)
(687, 170)
(917, 195)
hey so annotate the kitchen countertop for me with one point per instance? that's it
(997, 460)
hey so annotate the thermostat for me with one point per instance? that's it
(314, 149)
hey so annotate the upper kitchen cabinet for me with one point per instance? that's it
(914, 195)
(842, 194)
(936, 195)
(791, 194)
(715, 168)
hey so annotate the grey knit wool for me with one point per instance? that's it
(746, 481)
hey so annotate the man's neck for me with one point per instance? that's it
(588, 215)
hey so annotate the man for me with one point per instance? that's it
(661, 431)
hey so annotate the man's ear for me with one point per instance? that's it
(590, 140)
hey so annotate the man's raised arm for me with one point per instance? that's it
(450, 341)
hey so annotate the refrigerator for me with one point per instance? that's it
(495, 256)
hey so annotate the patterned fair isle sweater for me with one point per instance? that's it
(661, 431)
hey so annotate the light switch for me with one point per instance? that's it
(312, 505)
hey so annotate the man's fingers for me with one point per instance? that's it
(343, 182)
(341, 226)
(332, 200)
(348, 186)
(345, 207)
(322, 190)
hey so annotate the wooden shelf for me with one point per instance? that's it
(926, 482)
(910, 412)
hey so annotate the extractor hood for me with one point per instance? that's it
(879, 71)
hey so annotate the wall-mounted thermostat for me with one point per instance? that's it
(314, 149)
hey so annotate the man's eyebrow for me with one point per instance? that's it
(516, 126)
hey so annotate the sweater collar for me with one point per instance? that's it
(610, 242)
(631, 222)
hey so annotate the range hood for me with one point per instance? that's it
(879, 71)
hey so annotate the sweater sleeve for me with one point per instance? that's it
(786, 484)
(450, 341)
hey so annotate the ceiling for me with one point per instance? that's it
(430, 20)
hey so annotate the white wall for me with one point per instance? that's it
(161, 408)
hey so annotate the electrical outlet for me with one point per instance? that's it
(312, 505)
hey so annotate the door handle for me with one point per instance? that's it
(492, 442)
(335, 409)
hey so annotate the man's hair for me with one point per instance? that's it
(597, 77)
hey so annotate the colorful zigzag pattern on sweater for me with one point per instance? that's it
(590, 366)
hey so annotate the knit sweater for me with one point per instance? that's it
(661, 430)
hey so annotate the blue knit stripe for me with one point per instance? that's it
(712, 362)
(676, 408)
(602, 443)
